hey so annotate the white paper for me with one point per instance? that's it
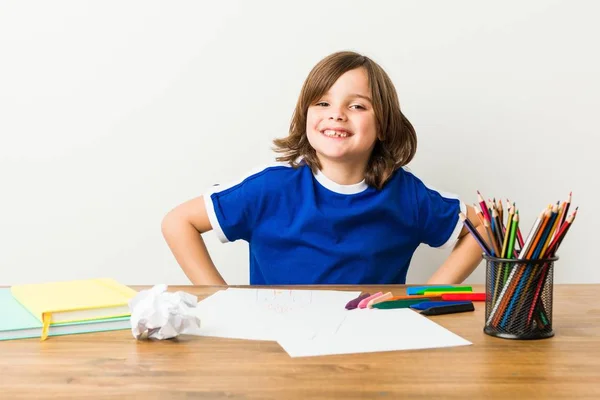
(315, 322)
(159, 314)
(270, 314)
(227, 317)
(374, 330)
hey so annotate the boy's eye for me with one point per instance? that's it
(357, 106)
(353, 106)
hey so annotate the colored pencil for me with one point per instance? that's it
(484, 208)
(475, 234)
(500, 209)
(519, 236)
(506, 234)
(491, 238)
(567, 204)
(553, 247)
(479, 213)
(511, 240)
(511, 284)
(513, 233)
(517, 289)
(551, 252)
(497, 229)
(522, 290)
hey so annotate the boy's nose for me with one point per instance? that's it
(336, 115)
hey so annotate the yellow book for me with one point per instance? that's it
(73, 301)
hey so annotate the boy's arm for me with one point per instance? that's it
(465, 256)
(182, 228)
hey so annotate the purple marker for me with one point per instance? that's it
(352, 304)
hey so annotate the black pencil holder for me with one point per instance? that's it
(519, 298)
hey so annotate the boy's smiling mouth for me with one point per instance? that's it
(336, 133)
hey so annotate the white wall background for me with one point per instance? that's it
(113, 112)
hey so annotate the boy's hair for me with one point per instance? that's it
(396, 138)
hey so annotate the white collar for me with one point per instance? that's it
(341, 189)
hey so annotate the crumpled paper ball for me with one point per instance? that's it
(163, 315)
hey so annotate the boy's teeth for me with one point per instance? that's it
(331, 133)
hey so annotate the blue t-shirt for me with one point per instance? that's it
(303, 228)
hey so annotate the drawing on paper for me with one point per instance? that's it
(282, 301)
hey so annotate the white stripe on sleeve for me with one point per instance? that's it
(210, 208)
(463, 208)
(454, 236)
(212, 216)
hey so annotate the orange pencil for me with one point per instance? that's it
(553, 230)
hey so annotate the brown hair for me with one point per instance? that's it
(396, 138)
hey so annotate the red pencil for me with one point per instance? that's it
(483, 206)
(558, 238)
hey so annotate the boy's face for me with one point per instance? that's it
(341, 124)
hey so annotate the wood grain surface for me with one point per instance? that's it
(114, 364)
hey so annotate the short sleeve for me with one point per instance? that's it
(439, 222)
(231, 208)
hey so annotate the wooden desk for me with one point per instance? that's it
(115, 364)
